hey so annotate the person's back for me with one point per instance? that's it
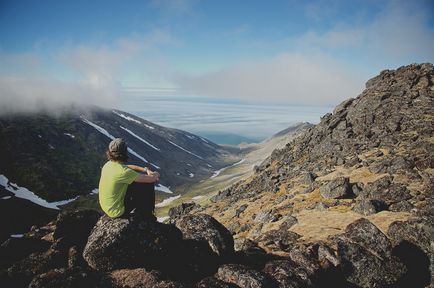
(115, 178)
(123, 188)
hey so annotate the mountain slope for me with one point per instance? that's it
(60, 157)
(377, 150)
(252, 155)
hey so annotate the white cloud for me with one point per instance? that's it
(400, 32)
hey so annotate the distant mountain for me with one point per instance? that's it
(60, 158)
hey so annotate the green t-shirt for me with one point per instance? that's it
(115, 178)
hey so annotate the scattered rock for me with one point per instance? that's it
(37, 263)
(336, 189)
(288, 222)
(321, 206)
(308, 178)
(240, 210)
(65, 278)
(368, 207)
(277, 240)
(263, 217)
(181, 210)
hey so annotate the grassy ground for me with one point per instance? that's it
(206, 188)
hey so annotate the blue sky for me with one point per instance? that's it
(281, 51)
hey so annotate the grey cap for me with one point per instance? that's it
(118, 145)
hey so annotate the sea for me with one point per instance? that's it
(223, 121)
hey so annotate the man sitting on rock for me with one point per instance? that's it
(124, 188)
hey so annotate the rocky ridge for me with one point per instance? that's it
(372, 157)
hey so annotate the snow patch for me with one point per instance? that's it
(162, 219)
(6, 197)
(203, 139)
(191, 175)
(141, 139)
(69, 135)
(197, 197)
(217, 172)
(51, 147)
(17, 235)
(94, 191)
(24, 193)
(39, 135)
(132, 119)
(106, 133)
(176, 145)
(162, 188)
(100, 129)
(191, 137)
(167, 201)
(126, 117)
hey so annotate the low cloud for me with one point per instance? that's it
(21, 95)
(83, 75)
(290, 78)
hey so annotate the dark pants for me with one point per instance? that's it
(141, 197)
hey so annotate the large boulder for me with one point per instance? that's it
(369, 206)
(366, 257)
(249, 253)
(203, 227)
(128, 243)
(288, 274)
(367, 235)
(277, 240)
(245, 277)
(336, 189)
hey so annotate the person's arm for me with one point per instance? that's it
(138, 169)
(143, 178)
